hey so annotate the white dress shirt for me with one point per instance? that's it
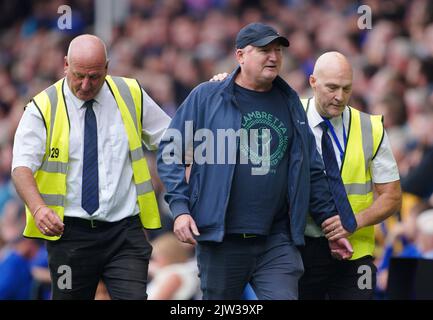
(383, 167)
(117, 193)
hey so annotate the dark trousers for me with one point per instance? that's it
(117, 253)
(328, 278)
(271, 264)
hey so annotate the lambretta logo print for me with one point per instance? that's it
(270, 132)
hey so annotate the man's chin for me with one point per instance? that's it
(270, 76)
(336, 111)
(84, 97)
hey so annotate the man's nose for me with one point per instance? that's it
(85, 83)
(339, 95)
(273, 55)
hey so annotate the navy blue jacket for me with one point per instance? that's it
(212, 105)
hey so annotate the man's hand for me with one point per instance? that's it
(185, 229)
(341, 249)
(333, 229)
(219, 77)
(48, 222)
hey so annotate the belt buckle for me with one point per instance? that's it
(93, 224)
(248, 235)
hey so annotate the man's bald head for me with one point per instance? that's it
(86, 66)
(331, 62)
(331, 82)
(87, 46)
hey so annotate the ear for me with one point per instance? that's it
(65, 64)
(312, 81)
(240, 56)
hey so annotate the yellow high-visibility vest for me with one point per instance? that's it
(364, 137)
(51, 176)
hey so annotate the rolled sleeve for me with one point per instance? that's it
(155, 122)
(30, 140)
(384, 167)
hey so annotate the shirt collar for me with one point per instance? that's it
(78, 102)
(315, 119)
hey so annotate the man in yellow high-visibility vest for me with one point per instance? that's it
(79, 166)
(366, 164)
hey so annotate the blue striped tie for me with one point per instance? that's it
(335, 183)
(89, 191)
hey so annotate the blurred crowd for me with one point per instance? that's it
(170, 46)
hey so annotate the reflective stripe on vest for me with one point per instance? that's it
(365, 134)
(51, 177)
(129, 98)
(363, 141)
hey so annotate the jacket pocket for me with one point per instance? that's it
(194, 191)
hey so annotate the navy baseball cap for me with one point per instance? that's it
(258, 35)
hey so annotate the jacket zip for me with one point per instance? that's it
(233, 167)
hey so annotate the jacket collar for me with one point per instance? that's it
(229, 85)
(296, 111)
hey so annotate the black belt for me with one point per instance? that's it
(243, 236)
(94, 224)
